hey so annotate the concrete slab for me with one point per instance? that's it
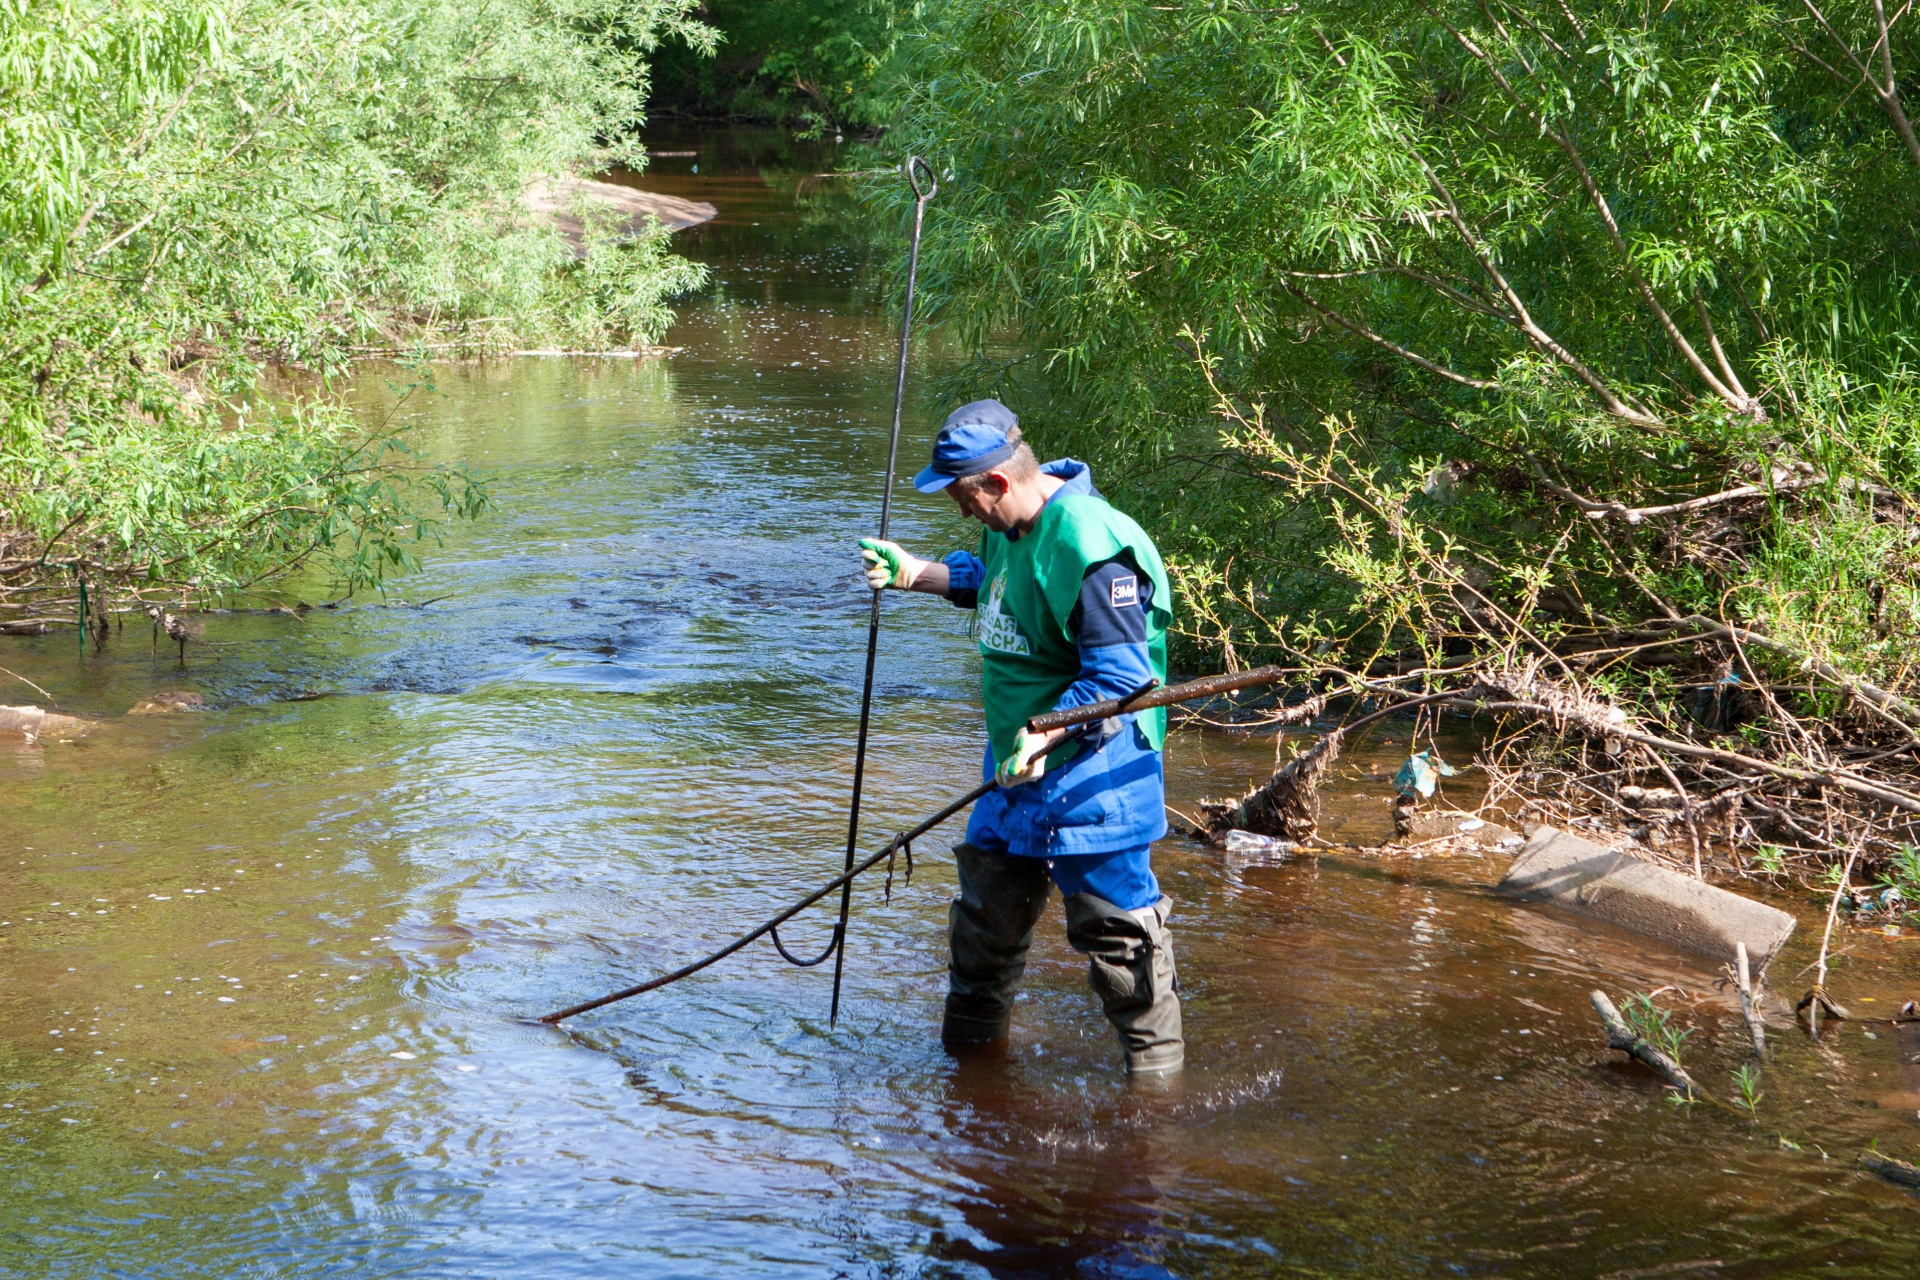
(1565, 871)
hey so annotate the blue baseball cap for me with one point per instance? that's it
(973, 440)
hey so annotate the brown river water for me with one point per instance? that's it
(260, 966)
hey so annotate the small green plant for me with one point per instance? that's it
(1748, 1080)
(1903, 874)
(1654, 1025)
(1771, 858)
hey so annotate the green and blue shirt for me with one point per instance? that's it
(1072, 612)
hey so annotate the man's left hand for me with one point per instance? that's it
(1028, 763)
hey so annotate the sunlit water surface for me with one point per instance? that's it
(260, 967)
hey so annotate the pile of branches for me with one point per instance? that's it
(1749, 773)
(1726, 678)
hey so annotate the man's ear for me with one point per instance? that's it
(1001, 482)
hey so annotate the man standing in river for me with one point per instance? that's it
(1073, 607)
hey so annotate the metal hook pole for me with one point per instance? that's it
(915, 169)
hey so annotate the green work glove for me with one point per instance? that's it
(888, 565)
(1028, 763)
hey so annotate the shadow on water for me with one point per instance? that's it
(259, 966)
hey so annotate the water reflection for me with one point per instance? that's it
(1043, 1194)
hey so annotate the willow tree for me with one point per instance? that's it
(1421, 331)
(191, 190)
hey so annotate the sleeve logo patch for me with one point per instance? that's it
(1125, 592)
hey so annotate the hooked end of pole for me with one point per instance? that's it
(921, 178)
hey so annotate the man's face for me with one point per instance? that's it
(985, 502)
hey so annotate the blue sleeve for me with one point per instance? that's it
(964, 572)
(1110, 625)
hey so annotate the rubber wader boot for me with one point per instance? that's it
(1131, 970)
(989, 929)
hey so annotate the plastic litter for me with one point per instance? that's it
(1238, 841)
(1421, 774)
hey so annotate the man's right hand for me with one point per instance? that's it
(888, 565)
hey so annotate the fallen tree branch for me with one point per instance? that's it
(1623, 1037)
(1892, 1170)
(1288, 803)
(1749, 1008)
(1598, 510)
(1817, 998)
(1826, 777)
(1872, 693)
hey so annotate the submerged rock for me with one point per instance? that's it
(167, 703)
(1419, 828)
(37, 722)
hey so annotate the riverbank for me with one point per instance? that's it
(238, 199)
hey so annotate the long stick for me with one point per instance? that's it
(1817, 998)
(915, 169)
(1621, 1036)
(893, 846)
(843, 883)
(1191, 691)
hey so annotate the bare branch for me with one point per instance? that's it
(1410, 356)
(1542, 341)
(1634, 515)
(1713, 341)
(1890, 702)
(1888, 94)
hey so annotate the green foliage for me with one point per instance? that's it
(194, 190)
(1903, 874)
(1747, 1079)
(813, 64)
(1654, 1025)
(1383, 317)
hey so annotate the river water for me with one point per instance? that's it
(260, 965)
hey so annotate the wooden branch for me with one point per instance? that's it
(1827, 777)
(1817, 998)
(1597, 510)
(1890, 99)
(1749, 1008)
(138, 149)
(118, 240)
(1686, 810)
(1540, 339)
(1886, 701)
(1739, 402)
(1887, 95)
(1352, 326)
(1713, 341)
(1892, 1170)
(1623, 1037)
